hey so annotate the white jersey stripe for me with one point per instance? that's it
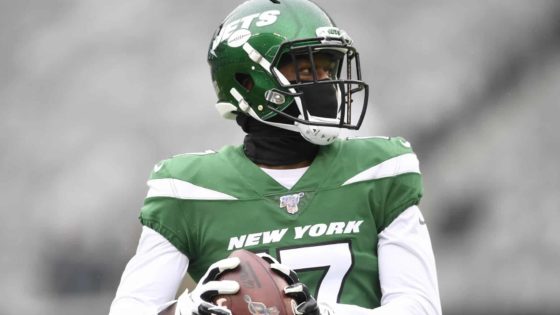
(402, 164)
(176, 188)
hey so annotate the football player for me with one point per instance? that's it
(339, 218)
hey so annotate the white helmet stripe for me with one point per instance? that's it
(256, 56)
(243, 105)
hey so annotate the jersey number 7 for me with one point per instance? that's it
(335, 259)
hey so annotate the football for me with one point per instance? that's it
(261, 289)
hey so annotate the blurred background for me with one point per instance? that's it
(94, 92)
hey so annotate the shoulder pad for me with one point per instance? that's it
(168, 167)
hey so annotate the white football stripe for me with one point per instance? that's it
(402, 164)
(176, 188)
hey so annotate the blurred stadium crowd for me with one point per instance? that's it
(94, 92)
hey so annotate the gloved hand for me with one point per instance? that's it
(199, 301)
(305, 303)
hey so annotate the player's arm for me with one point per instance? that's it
(151, 277)
(407, 270)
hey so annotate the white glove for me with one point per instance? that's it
(199, 301)
(304, 303)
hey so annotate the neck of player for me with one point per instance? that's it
(275, 148)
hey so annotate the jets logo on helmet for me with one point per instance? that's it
(240, 26)
(261, 36)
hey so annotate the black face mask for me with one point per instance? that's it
(320, 99)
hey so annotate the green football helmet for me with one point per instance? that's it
(260, 36)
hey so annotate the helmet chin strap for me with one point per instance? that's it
(321, 135)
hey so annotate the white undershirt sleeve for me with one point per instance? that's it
(407, 270)
(151, 278)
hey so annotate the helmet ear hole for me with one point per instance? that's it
(245, 80)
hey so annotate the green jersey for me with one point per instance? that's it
(325, 228)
